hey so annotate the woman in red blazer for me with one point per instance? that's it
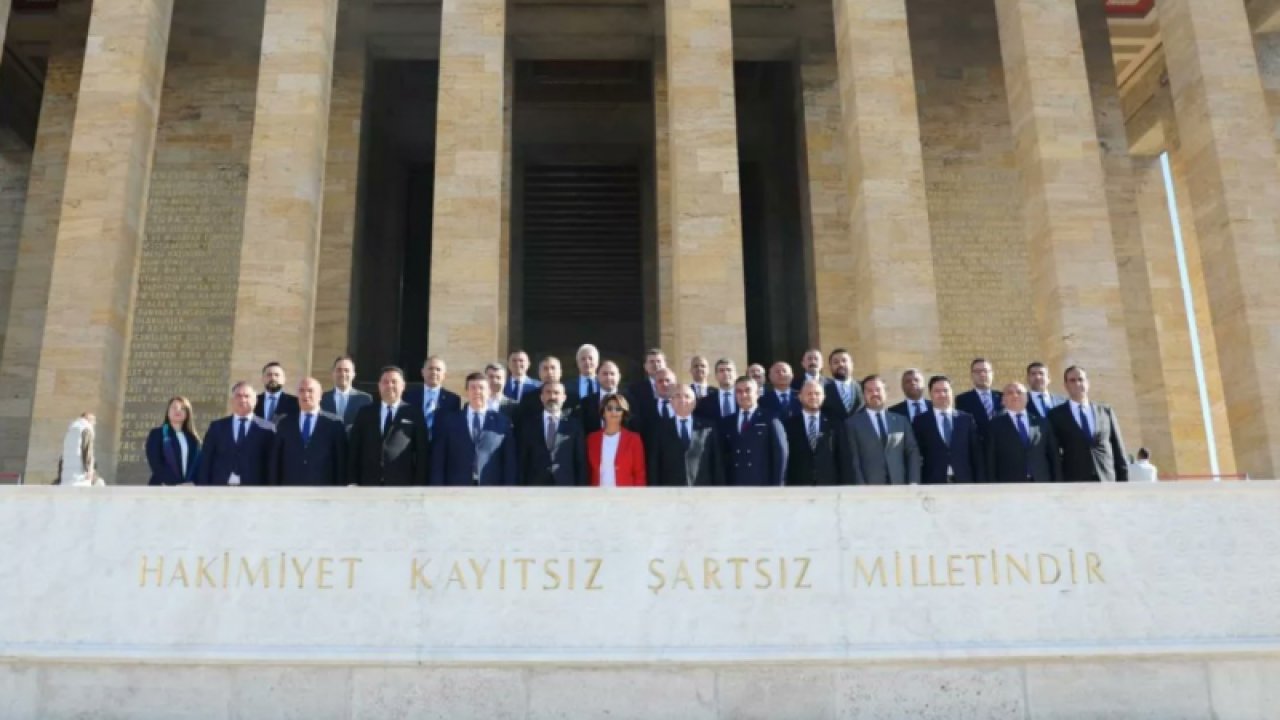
(615, 455)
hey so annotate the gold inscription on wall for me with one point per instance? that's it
(990, 569)
(185, 308)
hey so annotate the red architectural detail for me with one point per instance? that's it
(1130, 8)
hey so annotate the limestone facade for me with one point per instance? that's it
(970, 179)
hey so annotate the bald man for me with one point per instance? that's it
(311, 446)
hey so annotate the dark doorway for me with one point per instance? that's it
(583, 248)
(777, 260)
(392, 262)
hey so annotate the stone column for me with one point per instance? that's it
(1227, 142)
(662, 187)
(276, 299)
(94, 274)
(1267, 47)
(894, 310)
(466, 230)
(15, 170)
(29, 297)
(1076, 290)
(708, 309)
(1151, 424)
(834, 273)
(504, 243)
(341, 180)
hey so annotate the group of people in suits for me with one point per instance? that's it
(718, 428)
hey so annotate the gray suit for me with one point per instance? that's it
(876, 462)
(356, 399)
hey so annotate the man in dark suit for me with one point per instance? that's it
(699, 376)
(530, 408)
(432, 398)
(586, 384)
(843, 394)
(780, 401)
(1088, 435)
(816, 450)
(311, 447)
(948, 439)
(1020, 446)
(648, 416)
(884, 445)
(913, 390)
(982, 402)
(475, 446)
(498, 400)
(811, 365)
(389, 438)
(1039, 400)
(274, 401)
(685, 450)
(344, 400)
(756, 372)
(643, 392)
(237, 449)
(719, 401)
(557, 455)
(610, 383)
(755, 443)
(519, 381)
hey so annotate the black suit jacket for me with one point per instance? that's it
(824, 465)
(709, 408)
(963, 456)
(670, 464)
(222, 456)
(1097, 457)
(772, 404)
(322, 461)
(401, 457)
(969, 402)
(833, 405)
(356, 399)
(1011, 460)
(901, 408)
(640, 392)
(564, 463)
(287, 405)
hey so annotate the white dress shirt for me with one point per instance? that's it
(608, 456)
(340, 399)
(182, 445)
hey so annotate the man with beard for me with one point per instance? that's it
(558, 454)
(274, 401)
(843, 395)
(811, 364)
(642, 392)
(610, 382)
(698, 377)
(498, 400)
(983, 401)
(817, 453)
(530, 408)
(883, 443)
(1039, 400)
(756, 372)
(913, 389)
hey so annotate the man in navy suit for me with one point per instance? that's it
(780, 401)
(817, 453)
(344, 400)
(530, 407)
(755, 443)
(310, 447)
(389, 438)
(586, 384)
(699, 372)
(983, 401)
(719, 401)
(518, 380)
(685, 450)
(842, 393)
(1039, 400)
(498, 400)
(643, 391)
(948, 440)
(1021, 447)
(610, 383)
(274, 401)
(913, 390)
(558, 454)
(474, 446)
(432, 399)
(237, 449)
(811, 363)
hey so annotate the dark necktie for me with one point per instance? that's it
(946, 428)
(746, 423)
(475, 427)
(724, 399)
(1084, 424)
(551, 432)
(1044, 404)
(684, 434)
(1022, 430)
(389, 414)
(306, 429)
(884, 431)
(782, 400)
(665, 414)
(244, 428)
(919, 408)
